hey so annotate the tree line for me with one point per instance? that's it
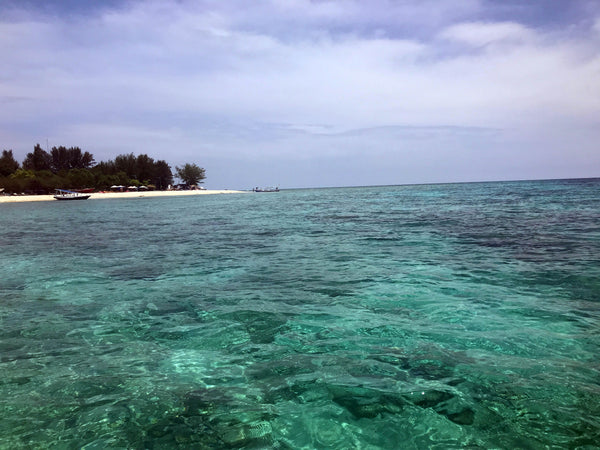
(71, 168)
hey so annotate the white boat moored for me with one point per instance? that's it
(62, 194)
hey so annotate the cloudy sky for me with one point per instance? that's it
(302, 93)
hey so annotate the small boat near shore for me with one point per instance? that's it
(62, 194)
(267, 189)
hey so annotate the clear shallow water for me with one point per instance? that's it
(441, 316)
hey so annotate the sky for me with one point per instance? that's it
(301, 93)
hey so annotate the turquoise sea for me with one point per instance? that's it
(413, 317)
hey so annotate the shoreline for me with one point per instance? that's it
(114, 195)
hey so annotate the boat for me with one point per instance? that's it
(62, 194)
(268, 189)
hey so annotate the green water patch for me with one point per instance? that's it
(442, 316)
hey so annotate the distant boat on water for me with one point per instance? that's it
(267, 189)
(62, 194)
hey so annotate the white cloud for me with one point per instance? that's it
(481, 34)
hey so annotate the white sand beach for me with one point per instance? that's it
(113, 195)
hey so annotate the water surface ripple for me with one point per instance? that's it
(437, 316)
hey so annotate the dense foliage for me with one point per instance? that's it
(70, 168)
(191, 174)
(8, 164)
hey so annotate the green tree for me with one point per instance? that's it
(127, 164)
(105, 168)
(163, 176)
(80, 178)
(45, 181)
(23, 174)
(62, 158)
(191, 174)
(145, 168)
(14, 185)
(141, 168)
(39, 159)
(8, 164)
(21, 180)
(122, 179)
(81, 160)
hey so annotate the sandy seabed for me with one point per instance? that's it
(108, 195)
